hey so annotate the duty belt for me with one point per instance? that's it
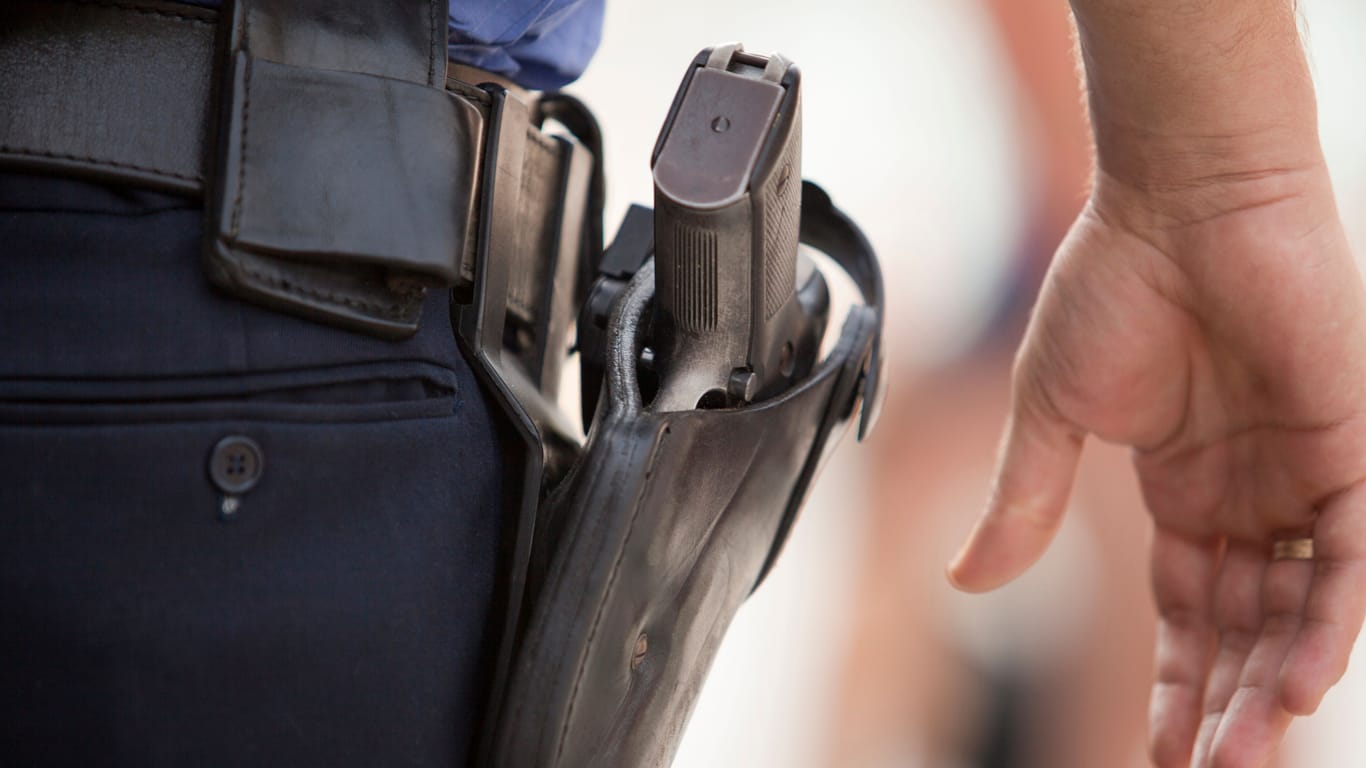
(343, 171)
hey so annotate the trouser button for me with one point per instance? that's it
(235, 465)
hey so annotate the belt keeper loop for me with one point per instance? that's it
(482, 322)
(479, 327)
(558, 308)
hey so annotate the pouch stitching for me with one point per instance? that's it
(394, 311)
(433, 41)
(242, 145)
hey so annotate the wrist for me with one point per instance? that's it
(1291, 212)
(1211, 171)
(1187, 96)
(1173, 194)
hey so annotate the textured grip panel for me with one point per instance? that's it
(694, 278)
(782, 220)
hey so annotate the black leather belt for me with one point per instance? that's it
(343, 174)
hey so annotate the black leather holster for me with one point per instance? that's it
(666, 523)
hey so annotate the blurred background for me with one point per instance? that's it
(953, 131)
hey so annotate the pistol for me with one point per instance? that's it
(739, 312)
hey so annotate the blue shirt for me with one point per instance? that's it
(540, 44)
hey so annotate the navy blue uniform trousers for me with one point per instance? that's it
(335, 617)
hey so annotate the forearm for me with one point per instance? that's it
(1193, 93)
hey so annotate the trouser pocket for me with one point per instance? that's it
(329, 611)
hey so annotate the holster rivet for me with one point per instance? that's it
(642, 645)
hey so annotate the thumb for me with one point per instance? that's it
(1038, 460)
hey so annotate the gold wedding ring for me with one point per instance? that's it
(1293, 549)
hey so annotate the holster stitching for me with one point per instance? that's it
(597, 615)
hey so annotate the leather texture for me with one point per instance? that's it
(116, 92)
(323, 104)
(346, 172)
(666, 524)
(401, 40)
(345, 169)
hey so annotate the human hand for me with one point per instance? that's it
(1220, 330)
